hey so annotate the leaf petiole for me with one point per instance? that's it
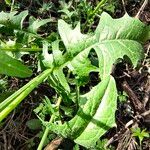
(12, 101)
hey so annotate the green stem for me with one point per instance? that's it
(45, 135)
(13, 96)
(91, 16)
(100, 4)
(18, 96)
(47, 128)
(78, 94)
(12, 5)
(21, 49)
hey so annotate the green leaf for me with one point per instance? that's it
(109, 51)
(34, 124)
(122, 28)
(57, 78)
(15, 21)
(12, 24)
(97, 108)
(6, 17)
(76, 147)
(57, 54)
(71, 37)
(82, 61)
(13, 67)
(11, 20)
(35, 24)
(104, 117)
(140, 134)
(58, 73)
(47, 59)
(96, 114)
(109, 42)
(8, 2)
(148, 32)
(5, 95)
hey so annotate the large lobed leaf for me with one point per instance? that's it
(113, 39)
(122, 28)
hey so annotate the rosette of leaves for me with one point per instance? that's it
(113, 39)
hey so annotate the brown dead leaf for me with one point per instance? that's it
(54, 144)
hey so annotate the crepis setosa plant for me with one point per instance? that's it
(112, 39)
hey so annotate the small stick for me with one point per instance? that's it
(146, 55)
(146, 113)
(147, 92)
(135, 101)
(124, 6)
(142, 8)
(5, 141)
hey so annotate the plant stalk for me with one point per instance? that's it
(91, 16)
(47, 128)
(18, 96)
(12, 5)
(100, 4)
(21, 49)
(13, 96)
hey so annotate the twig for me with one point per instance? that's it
(111, 140)
(142, 8)
(139, 107)
(12, 5)
(5, 140)
(124, 6)
(146, 55)
(136, 118)
(146, 113)
(147, 91)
